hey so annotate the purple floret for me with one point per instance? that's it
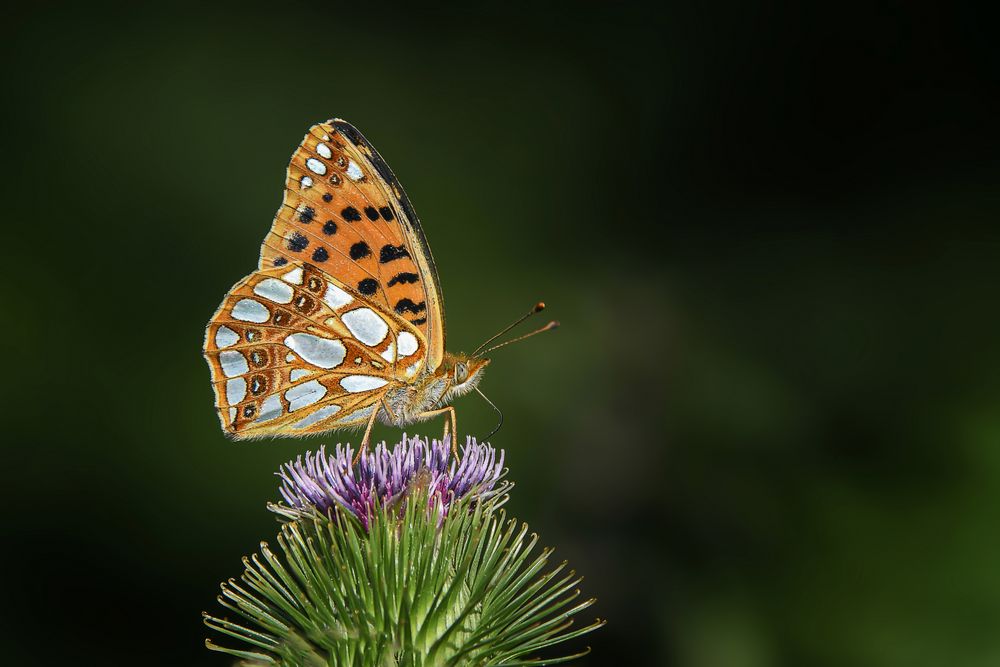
(383, 475)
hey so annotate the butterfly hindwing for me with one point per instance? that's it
(294, 351)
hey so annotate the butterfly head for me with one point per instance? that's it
(463, 373)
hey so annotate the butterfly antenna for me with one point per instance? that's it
(548, 327)
(499, 413)
(537, 308)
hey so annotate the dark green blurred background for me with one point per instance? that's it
(767, 432)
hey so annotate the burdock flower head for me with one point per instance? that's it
(384, 477)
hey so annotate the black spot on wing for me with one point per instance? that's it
(327, 197)
(297, 242)
(280, 261)
(419, 321)
(391, 253)
(386, 213)
(368, 286)
(407, 306)
(329, 227)
(351, 214)
(371, 213)
(307, 214)
(403, 278)
(320, 255)
(360, 250)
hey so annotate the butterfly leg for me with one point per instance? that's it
(364, 441)
(389, 412)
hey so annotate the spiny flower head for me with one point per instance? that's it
(385, 476)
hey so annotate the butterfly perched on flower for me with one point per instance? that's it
(342, 322)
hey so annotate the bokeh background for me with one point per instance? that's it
(767, 432)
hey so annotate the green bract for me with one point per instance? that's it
(412, 590)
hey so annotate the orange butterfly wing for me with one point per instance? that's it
(346, 304)
(345, 212)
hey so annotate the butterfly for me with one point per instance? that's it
(342, 323)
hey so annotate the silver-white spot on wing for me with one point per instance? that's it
(233, 363)
(319, 415)
(294, 276)
(366, 325)
(304, 394)
(297, 374)
(354, 171)
(270, 408)
(356, 383)
(248, 310)
(315, 166)
(321, 352)
(324, 150)
(236, 390)
(390, 352)
(274, 290)
(407, 343)
(336, 297)
(232, 415)
(306, 182)
(224, 337)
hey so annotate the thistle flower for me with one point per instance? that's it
(384, 476)
(432, 572)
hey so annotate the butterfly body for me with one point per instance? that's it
(342, 323)
(433, 391)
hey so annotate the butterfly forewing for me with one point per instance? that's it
(344, 212)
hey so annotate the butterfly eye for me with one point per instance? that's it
(461, 373)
